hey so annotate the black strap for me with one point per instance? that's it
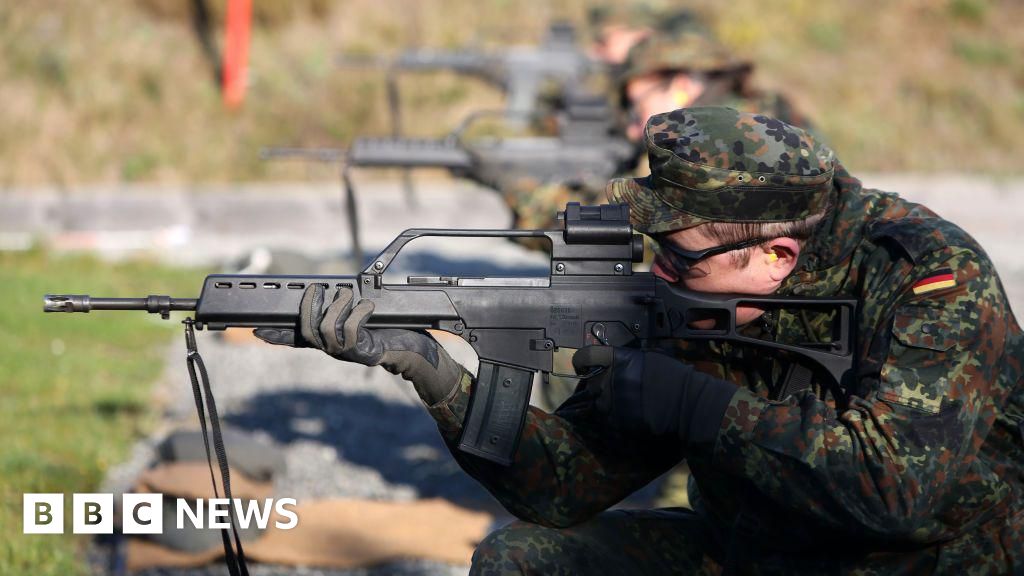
(236, 563)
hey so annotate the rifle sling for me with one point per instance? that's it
(236, 562)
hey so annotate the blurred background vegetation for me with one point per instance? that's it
(122, 91)
(75, 395)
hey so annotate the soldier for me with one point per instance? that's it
(690, 68)
(916, 467)
(618, 28)
(663, 72)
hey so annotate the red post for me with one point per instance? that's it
(236, 51)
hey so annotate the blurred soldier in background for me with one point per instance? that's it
(686, 67)
(690, 68)
(617, 29)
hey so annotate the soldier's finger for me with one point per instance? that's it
(331, 324)
(355, 322)
(279, 336)
(590, 357)
(310, 313)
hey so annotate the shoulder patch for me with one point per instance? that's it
(918, 236)
(938, 280)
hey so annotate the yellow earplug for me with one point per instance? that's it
(681, 98)
(773, 257)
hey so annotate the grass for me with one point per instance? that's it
(911, 86)
(76, 389)
(122, 92)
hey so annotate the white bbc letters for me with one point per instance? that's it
(92, 514)
(219, 508)
(43, 513)
(142, 513)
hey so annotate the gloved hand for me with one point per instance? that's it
(646, 394)
(339, 330)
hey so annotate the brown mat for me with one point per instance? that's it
(348, 534)
(192, 480)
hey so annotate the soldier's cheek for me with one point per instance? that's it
(747, 314)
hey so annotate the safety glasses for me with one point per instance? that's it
(682, 261)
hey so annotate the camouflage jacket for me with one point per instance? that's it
(920, 471)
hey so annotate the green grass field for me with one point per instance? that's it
(75, 390)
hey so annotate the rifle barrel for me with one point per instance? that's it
(84, 303)
(315, 154)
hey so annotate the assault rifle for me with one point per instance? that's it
(519, 72)
(586, 153)
(591, 295)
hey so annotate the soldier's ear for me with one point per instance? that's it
(780, 257)
(685, 89)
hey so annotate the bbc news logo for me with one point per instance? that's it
(144, 513)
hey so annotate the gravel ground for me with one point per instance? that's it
(346, 431)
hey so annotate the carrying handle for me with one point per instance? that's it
(387, 256)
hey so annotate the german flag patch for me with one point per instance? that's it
(937, 281)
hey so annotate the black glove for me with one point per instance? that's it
(339, 330)
(647, 394)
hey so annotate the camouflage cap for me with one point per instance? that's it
(658, 16)
(718, 164)
(638, 14)
(689, 51)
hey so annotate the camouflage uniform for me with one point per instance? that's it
(918, 467)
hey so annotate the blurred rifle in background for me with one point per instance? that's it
(520, 72)
(524, 74)
(587, 151)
